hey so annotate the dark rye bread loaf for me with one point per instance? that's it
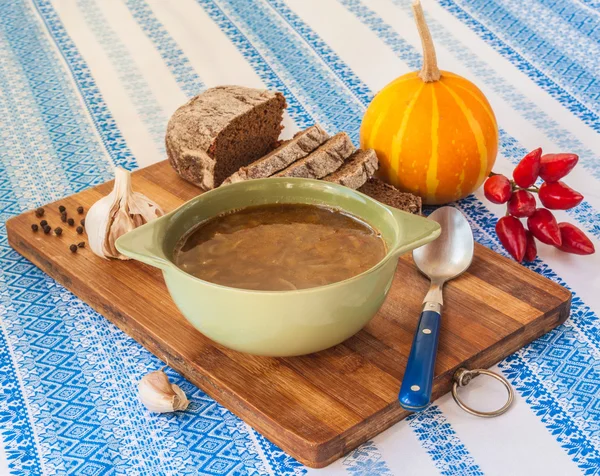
(358, 168)
(302, 144)
(321, 162)
(391, 196)
(221, 130)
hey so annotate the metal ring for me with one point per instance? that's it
(462, 377)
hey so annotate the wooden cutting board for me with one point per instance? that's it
(317, 407)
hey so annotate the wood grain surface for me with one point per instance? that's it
(317, 407)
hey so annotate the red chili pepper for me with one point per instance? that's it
(531, 248)
(574, 240)
(544, 227)
(559, 196)
(497, 189)
(511, 232)
(521, 204)
(527, 170)
(553, 167)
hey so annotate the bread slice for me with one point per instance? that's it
(300, 146)
(391, 196)
(358, 168)
(322, 161)
(222, 129)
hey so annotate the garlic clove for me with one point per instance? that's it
(159, 395)
(116, 214)
(96, 223)
(144, 207)
(180, 402)
(120, 225)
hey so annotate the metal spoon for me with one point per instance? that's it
(441, 260)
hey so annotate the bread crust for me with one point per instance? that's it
(194, 128)
(356, 171)
(302, 144)
(322, 161)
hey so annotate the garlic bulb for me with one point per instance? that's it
(159, 395)
(120, 211)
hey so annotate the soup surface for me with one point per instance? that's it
(280, 247)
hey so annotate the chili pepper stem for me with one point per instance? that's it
(514, 187)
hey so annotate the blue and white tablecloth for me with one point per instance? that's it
(89, 84)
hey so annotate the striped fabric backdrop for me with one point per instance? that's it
(89, 84)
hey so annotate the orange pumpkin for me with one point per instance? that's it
(434, 132)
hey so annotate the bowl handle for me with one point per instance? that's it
(416, 230)
(144, 244)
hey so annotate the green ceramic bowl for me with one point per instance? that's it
(278, 323)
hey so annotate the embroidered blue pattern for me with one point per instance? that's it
(366, 460)
(336, 66)
(272, 80)
(183, 72)
(439, 439)
(595, 4)
(569, 30)
(576, 346)
(15, 425)
(75, 166)
(137, 88)
(566, 95)
(105, 124)
(280, 463)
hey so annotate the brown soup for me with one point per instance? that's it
(280, 247)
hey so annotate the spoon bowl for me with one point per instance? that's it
(452, 253)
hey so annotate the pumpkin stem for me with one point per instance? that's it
(430, 71)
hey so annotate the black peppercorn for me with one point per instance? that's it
(82, 222)
(71, 222)
(80, 210)
(63, 217)
(73, 248)
(81, 244)
(58, 231)
(79, 230)
(61, 209)
(43, 223)
(47, 229)
(34, 227)
(39, 212)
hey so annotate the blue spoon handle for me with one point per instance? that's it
(415, 392)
